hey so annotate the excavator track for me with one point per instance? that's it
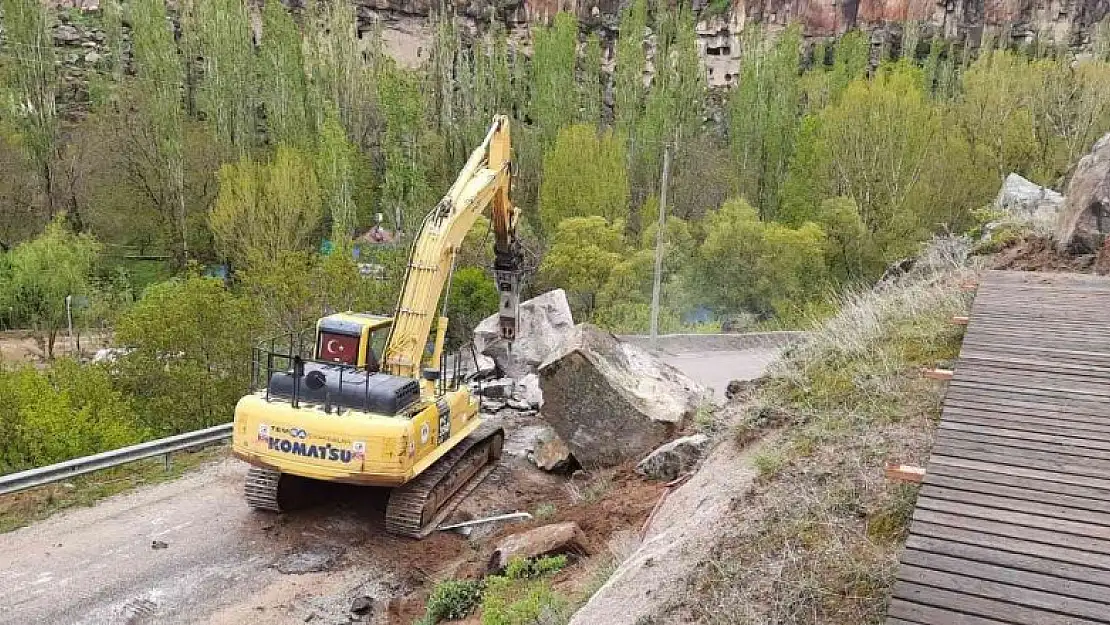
(261, 489)
(418, 507)
(267, 489)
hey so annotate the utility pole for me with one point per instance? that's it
(657, 285)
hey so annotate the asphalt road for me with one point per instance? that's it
(217, 562)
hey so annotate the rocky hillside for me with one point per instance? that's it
(407, 36)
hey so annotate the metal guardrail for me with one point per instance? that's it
(31, 478)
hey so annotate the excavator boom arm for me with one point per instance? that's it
(484, 181)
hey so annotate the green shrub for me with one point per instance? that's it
(523, 594)
(452, 599)
(62, 412)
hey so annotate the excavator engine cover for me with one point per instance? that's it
(381, 394)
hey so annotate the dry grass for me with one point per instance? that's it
(817, 541)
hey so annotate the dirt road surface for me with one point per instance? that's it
(190, 551)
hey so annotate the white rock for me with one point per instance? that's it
(543, 323)
(1029, 203)
(527, 390)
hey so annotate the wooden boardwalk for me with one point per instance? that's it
(1012, 523)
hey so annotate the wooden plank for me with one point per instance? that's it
(1085, 413)
(1011, 576)
(962, 438)
(1072, 382)
(1021, 423)
(1037, 460)
(1023, 506)
(1031, 385)
(1003, 526)
(986, 607)
(904, 473)
(956, 537)
(1008, 430)
(972, 367)
(1024, 520)
(927, 614)
(963, 551)
(1081, 610)
(1030, 490)
(985, 465)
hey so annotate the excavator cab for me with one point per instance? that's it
(355, 339)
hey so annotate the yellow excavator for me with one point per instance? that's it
(359, 399)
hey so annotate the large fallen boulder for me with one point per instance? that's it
(1087, 201)
(545, 540)
(1026, 202)
(543, 322)
(674, 459)
(612, 401)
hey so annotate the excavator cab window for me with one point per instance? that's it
(336, 347)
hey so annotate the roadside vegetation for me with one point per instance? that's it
(521, 595)
(818, 538)
(203, 191)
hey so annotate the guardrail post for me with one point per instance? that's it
(167, 460)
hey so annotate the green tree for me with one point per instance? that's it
(1070, 111)
(631, 63)
(265, 209)
(190, 358)
(764, 115)
(553, 84)
(881, 145)
(284, 87)
(158, 137)
(336, 165)
(228, 93)
(591, 86)
(294, 288)
(39, 274)
(992, 111)
(846, 241)
(405, 193)
(583, 174)
(583, 253)
(747, 265)
(472, 298)
(28, 92)
(338, 73)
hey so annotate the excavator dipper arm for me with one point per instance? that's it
(484, 181)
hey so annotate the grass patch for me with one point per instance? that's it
(20, 509)
(522, 595)
(817, 542)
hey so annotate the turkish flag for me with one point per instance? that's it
(338, 348)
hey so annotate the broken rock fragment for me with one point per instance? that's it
(550, 453)
(545, 540)
(612, 401)
(674, 459)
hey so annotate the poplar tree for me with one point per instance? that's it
(158, 143)
(227, 91)
(764, 113)
(30, 93)
(284, 89)
(553, 84)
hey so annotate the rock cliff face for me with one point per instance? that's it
(407, 36)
